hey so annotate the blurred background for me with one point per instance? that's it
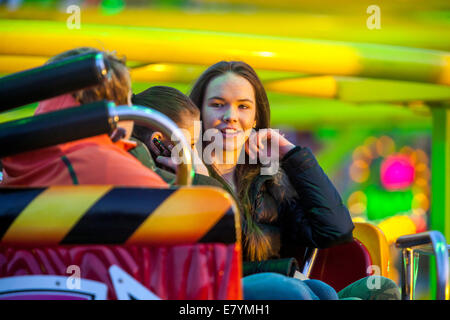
(371, 135)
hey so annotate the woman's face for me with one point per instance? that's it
(229, 106)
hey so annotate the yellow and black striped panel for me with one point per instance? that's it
(116, 215)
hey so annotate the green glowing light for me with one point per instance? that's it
(382, 204)
(111, 7)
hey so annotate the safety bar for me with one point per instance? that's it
(53, 128)
(439, 247)
(53, 79)
(89, 120)
(308, 260)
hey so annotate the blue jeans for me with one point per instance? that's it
(274, 286)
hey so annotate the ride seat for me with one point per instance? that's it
(344, 264)
(178, 243)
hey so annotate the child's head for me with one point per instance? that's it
(175, 105)
(116, 88)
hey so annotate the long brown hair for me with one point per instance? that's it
(255, 244)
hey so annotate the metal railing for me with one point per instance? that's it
(411, 245)
(308, 260)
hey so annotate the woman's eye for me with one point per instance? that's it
(215, 104)
(243, 106)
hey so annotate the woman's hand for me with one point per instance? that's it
(267, 143)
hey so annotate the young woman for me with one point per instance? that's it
(294, 206)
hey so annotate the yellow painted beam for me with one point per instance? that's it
(140, 72)
(156, 45)
(355, 89)
(322, 86)
(405, 27)
(163, 72)
(180, 46)
(330, 87)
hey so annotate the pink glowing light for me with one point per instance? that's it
(397, 172)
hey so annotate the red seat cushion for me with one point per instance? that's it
(342, 265)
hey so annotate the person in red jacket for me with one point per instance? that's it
(93, 160)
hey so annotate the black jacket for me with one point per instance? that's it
(309, 210)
